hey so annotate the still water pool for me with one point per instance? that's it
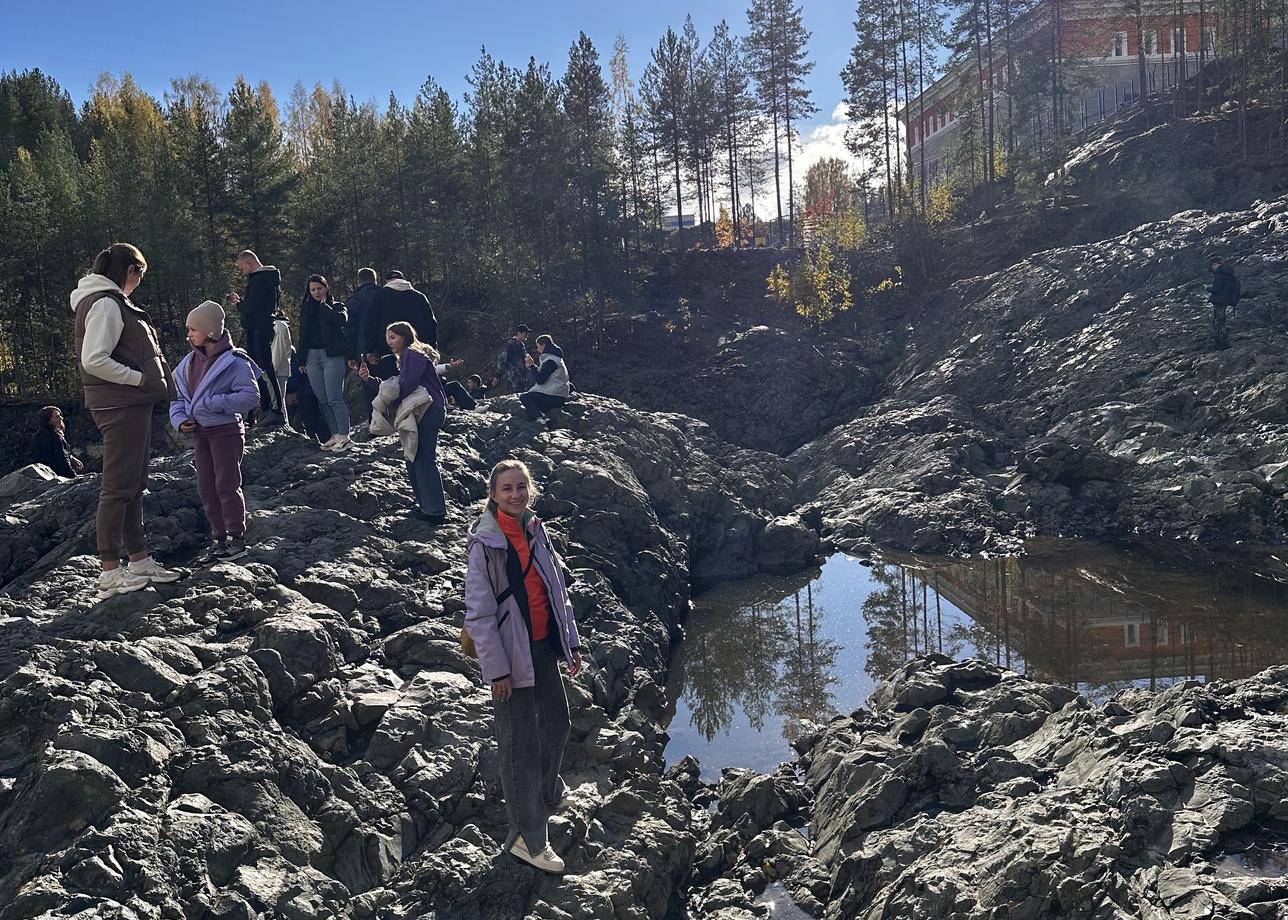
(760, 656)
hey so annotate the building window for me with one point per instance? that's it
(1178, 41)
(1149, 42)
(1209, 41)
(1119, 48)
(1131, 635)
(1160, 634)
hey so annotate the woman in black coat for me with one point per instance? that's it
(50, 447)
(324, 344)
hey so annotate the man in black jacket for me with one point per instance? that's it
(360, 301)
(1223, 293)
(397, 302)
(256, 309)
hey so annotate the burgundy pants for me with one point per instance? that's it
(218, 461)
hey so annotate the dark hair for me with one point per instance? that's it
(545, 340)
(115, 262)
(393, 274)
(474, 378)
(46, 416)
(408, 332)
(318, 279)
(522, 327)
(366, 276)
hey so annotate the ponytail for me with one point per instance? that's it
(115, 262)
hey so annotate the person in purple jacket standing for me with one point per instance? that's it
(518, 614)
(217, 387)
(416, 369)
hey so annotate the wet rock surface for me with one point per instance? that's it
(969, 792)
(1075, 394)
(298, 734)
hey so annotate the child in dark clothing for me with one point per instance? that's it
(217, 387)
(50, 447)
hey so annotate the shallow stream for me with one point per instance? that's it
(760, 656)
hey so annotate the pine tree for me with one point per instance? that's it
(667, 84)
(262, 170)
(587, 109)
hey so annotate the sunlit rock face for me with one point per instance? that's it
(299, 735)
(1075, 393)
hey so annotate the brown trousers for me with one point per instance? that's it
(127, 439)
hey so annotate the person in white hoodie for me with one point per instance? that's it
(125, 376)
(282, 349)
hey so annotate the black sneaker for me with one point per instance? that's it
(214, 552)
(235, 548)
(433, 520)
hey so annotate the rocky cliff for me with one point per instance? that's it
(1074, 393)
(299, 735)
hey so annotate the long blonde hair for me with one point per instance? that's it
(408, 333)
(506, 466)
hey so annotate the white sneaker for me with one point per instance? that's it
(119, 580)
(147, 568)
(330, 442)
(547, 860)
(343, 444)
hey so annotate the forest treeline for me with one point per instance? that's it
(540, 189)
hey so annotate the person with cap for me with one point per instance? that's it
(217, 387)
(516, 369)
(396, 302)
(1223, 293)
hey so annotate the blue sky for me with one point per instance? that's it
(379, 46)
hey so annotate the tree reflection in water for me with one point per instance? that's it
(782, 650)
(766, 654)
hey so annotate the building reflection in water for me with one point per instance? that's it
(1101, 619)
(762, 655)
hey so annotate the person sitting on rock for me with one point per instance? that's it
(474, 384)
(518, 615)
(416, 369)
(50, 447)
(552, 387)
(217, 388)
(1223, 293)
(458, 393)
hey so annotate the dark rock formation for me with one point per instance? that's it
(1074, 394)
(298, 734)
(971, 792)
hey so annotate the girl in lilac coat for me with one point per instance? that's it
(217, 386)
(518, 614)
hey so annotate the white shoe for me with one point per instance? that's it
(330, 442)
(547, 860)
(119, 580)
(343, 444)
(147, 568)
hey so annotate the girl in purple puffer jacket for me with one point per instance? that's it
(217, 386)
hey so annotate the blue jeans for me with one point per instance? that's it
(426, 481)
(326, 380)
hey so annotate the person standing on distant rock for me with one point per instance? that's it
(1223, 293)
(216, 388)
(518, 614)
(552, 387)
(416, 370)
(125, 376)
(324, 343)
(397, 302)
(49, 446)
(516, 366)
(256, 309)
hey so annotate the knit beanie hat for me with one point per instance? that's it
(208, 317)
